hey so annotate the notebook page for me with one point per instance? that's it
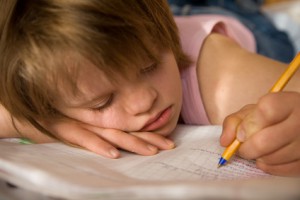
(64, 171)
(195, 158)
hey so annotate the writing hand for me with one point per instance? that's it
(270, 132)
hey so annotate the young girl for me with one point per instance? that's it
(112, 74)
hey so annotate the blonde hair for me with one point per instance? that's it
(38, 37)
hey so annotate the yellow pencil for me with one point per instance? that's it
(278, 86)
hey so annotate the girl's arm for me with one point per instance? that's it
(105, 142)
(268, 126)
(13, 128)
(231, 77)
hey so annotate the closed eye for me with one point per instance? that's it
(149, 69)
(105, 103)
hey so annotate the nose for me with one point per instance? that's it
(140, 99)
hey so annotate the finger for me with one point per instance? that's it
(229, 130)
(231, 124)
(89, 140)
(281, 117)
(271, 109)
(287, 169)
(128, 142)
(286, 154)
(155, 139)
(270, 139)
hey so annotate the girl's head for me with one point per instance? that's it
(58, 52)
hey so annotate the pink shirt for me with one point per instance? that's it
(193, 30)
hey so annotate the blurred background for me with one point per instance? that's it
(275, 24)
(285, 14)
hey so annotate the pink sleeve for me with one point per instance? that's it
(193, 30)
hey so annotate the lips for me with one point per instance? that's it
(158, 121)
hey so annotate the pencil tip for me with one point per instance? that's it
(222, 162)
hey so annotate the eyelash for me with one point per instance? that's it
(104, 106)
(149, 69)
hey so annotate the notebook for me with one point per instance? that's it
(189, 171)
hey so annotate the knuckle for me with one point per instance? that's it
(265, 107)
(231, 119)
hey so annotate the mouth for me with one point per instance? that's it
(159, 120)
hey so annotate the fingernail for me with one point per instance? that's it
(152, 148)
(241, 136)
(170, 143)
(114, 153)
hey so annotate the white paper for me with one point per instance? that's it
(63, 171)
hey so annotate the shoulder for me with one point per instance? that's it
(198, 27)
(229, 76)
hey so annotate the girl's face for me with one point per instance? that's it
(150, 101)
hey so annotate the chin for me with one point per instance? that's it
(169, 128)
(166, 131)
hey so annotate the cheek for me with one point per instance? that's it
(109, 118)
(172, 83)
(113, 118)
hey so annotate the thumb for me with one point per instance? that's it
(271, 109)
(250, 125)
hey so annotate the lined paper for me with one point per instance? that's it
(63, 171)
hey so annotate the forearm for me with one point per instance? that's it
(6, 124)
(13, 128)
